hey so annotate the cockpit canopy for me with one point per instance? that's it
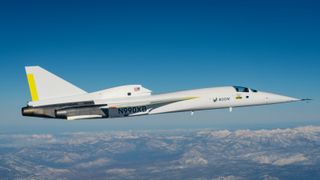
(244, 89)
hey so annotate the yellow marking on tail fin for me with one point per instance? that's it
(32, 87)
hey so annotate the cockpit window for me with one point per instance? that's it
(253, 90)
(241, 89)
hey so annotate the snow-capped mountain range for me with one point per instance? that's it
(169, 154)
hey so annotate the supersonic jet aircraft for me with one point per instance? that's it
(53, 97)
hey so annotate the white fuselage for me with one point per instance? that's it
(201, 99)
(147, 104)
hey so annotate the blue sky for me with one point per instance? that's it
(166, 46)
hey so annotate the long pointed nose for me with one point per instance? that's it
(276, 98)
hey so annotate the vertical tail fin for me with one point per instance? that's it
(45, 85)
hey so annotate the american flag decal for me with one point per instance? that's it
(136, 89)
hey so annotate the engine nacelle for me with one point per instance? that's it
(47, 112)
(80, 111)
